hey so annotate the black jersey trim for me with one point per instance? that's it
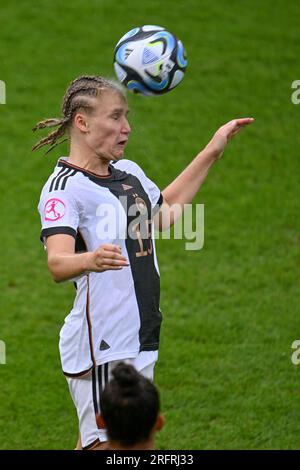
(62, 171)
(157, 206)
(97, 380)
(149, 347)
(94, 390)
(59, 179)
(47, 232)
(66, 179)
(88, 319)
(79, 374)
(106, 373)
(100, 379)
(80, 244)
(100, 385)
(92, 445)
(144, 273)
(115, 173)
(64, 163)
(160, 200)
(56, 180)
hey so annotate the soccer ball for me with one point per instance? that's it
(150, 60)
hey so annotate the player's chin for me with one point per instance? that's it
(118, 153)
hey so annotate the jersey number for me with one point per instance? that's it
(137, 229)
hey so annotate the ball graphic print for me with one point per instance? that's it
(150, 60)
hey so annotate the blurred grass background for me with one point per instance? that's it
(231, 310)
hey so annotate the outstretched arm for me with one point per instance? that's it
(184, 188)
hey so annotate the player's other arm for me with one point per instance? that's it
(184, 188)
(64, 264)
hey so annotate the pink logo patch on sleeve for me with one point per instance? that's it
(54, 209)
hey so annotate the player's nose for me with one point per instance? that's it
(126, 128)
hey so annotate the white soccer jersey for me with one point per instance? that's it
(115, 314)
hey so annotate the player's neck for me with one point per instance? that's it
(88, 160)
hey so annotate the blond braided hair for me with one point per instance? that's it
(78, 96)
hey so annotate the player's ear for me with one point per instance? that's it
(80, 121)
(160, 422)
(100, 422)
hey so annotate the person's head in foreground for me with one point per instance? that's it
(94, 119)
(130, 409)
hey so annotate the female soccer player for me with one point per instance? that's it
(97, 214)
(130, 410)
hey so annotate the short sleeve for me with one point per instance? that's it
(59, 214)
(155, 194)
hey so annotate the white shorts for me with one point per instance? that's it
(86, 393)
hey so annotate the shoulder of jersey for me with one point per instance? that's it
(61, 179)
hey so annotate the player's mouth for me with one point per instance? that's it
(122, 143)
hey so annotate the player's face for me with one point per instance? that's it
(108, 126)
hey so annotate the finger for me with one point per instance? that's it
(241, 122)
(110, 247)
(115, 262)
(111, 255)
(107, 267)
(244, 121)
(228, 127)
(235, 126)
(236, 131)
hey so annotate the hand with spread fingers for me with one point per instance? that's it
(225, 133)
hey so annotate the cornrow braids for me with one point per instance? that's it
(79, 95)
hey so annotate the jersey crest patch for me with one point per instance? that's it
(54, 209)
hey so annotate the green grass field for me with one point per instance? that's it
(231, 310)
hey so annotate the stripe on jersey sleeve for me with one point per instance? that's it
(62, 172)
(63, 185)
(60, 180)
(47, 232)
(157, 205)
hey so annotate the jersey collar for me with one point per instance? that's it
(114, 173)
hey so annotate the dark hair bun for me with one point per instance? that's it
(126, 375)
